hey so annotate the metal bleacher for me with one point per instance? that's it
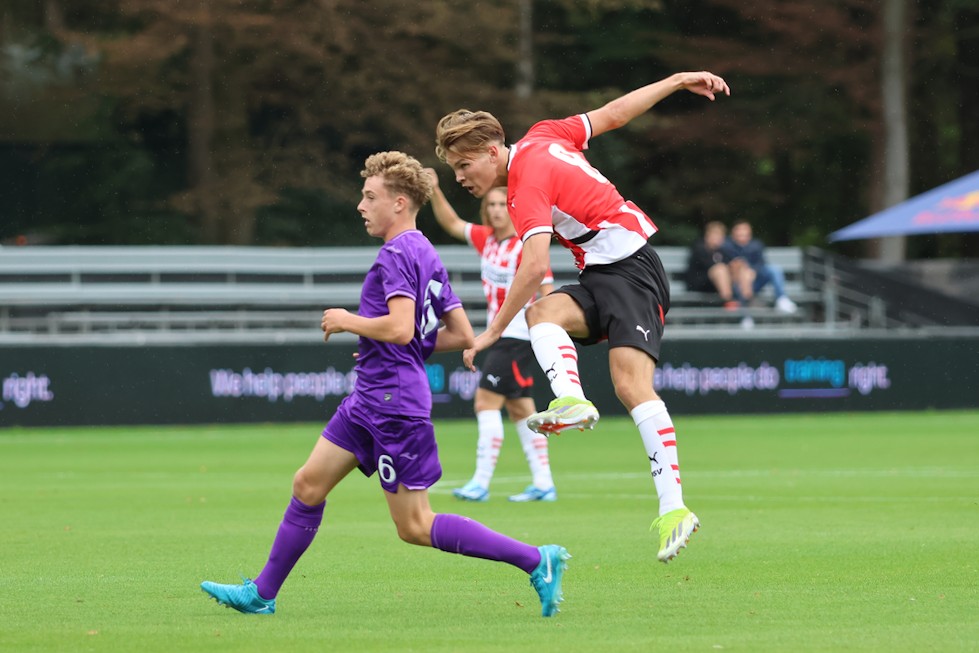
(277, 294)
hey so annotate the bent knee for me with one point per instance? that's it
(534, 314)
(520, 409)
(631, 398)
(304, 489)
(634, 389)
(560, 309)
(487, 400)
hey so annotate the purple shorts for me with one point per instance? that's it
(401, 450)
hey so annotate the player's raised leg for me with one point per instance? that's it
(550, 320)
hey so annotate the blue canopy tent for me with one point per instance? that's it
(951, 207)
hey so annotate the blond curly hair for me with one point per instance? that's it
(403, 175)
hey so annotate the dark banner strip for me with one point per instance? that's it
(48, 385)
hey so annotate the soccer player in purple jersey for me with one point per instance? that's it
(385, 425)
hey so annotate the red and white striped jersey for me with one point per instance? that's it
(551, 188)
(499, 261)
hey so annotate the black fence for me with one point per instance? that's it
(865, 295)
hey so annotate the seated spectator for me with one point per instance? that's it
(706, 269)
(742, 252)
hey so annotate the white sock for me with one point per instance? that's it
(558, 357)
(490, 425)
(535, 449)
(659, 438)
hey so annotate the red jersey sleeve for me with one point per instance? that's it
(477, 235)
(574, 131)
(530, 211)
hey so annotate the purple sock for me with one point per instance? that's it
(296, 532)
(457, 534)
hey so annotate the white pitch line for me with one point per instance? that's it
(620, 496)
(908, 472)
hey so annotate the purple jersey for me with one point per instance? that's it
(392, 378)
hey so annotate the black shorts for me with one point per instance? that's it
(625, 302)
(508, 369)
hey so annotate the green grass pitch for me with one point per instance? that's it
(834, 532)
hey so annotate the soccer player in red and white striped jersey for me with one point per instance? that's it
(507, 379)
(622, 294)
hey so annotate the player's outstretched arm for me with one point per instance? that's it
(457, 332)
(535, 263)
(446, 216)
(621, 110)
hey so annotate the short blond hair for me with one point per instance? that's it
(403, 175)
(465, 131)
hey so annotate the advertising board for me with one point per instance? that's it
(93, 385)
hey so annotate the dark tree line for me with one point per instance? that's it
(247, 121)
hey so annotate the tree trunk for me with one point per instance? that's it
(525, 62)
(894, 95)
(239, 193)
(54, 17)
(201, 132)
(966, 24)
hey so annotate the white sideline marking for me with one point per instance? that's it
(748, 498)
(911, 472)
(513, 484)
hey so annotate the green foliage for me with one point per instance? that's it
(310, 218)
(296, 95)
(818, 535)
(96, 193)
